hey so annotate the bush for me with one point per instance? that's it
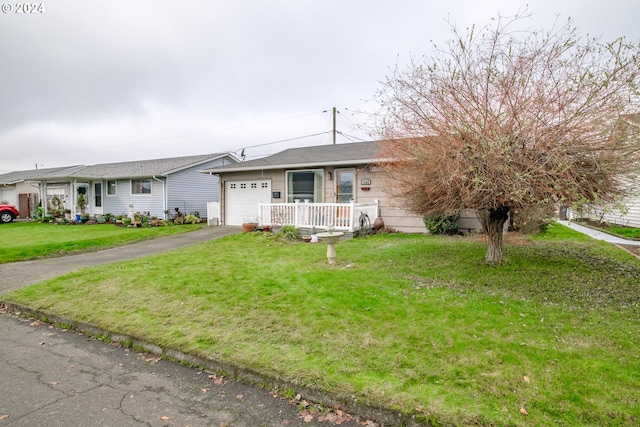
(290, 233)
(531, 219)
(442, 223)
(191, 219)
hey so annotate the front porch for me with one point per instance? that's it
(322, 216)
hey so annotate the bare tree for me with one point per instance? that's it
(503, 118)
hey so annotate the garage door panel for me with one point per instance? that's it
(242, 198)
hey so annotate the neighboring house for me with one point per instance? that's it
(326, 174)
(22, 188)
(627, 211)
(156, 186)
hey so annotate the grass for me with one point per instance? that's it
(627, 232)
(30, 240)
(416, 323)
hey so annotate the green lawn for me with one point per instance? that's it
(28, 240)
(412, 322)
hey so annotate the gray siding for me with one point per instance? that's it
(119, 204)
(190, 190)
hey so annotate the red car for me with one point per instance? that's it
(8, 213)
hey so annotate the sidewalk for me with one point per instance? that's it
(631, 246)
(599, 235)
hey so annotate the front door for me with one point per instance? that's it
(97, 198)
(344, 185)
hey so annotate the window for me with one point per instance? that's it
(140, 186)
(304, 185)
(111, 188)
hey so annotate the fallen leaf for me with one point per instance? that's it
(4, 417)
(218, 380)
(526, 379)
(165, 418)
(308, 418)
(240, 397)
(523, 411)
(204, 390)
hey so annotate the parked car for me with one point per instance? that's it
(8, 213)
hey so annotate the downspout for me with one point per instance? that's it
(164, 195)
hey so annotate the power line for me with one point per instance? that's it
(285, 140)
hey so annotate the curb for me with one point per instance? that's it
(384, 416)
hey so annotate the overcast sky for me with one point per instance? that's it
(97, 81)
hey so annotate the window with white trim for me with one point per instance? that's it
(112, 188)
(305, 185)
(140, 186)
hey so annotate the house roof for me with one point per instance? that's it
(133, 169)
(36, 174)
(308, 157)
(145, 168)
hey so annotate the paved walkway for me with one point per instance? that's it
(631, 246)
(599, 235)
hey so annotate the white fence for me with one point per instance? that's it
(339, 216)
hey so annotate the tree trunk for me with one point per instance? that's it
(494, 227)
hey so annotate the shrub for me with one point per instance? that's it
(191, 219)
(532, 219)
(290, 233)
(442, 223)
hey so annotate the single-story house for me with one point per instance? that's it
(627, 211)
(22, 188)
(342, 179)
(157, 186)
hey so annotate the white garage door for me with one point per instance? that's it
(242, 198)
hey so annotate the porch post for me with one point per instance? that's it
(352, 207)
(296, 213)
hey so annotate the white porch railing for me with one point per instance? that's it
(339, 216)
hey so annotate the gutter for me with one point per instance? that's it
(294, 165)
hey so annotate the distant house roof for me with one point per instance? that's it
(133, 169)
(308, 157)
(143, 168)
(37, 174)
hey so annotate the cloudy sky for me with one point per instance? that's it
(97, 81)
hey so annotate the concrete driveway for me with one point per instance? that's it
(58, 377)
(18, 274)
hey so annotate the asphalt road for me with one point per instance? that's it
(57, 377)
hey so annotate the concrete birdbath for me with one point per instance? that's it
(330, 239)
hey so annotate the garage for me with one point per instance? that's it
(242, 198)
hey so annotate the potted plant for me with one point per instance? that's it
(248, 227)
(82, 202)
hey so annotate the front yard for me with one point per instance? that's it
(28, 240)
(410, 322)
